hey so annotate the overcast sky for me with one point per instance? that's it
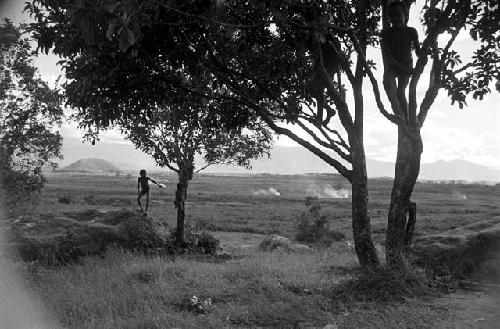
(449, 133)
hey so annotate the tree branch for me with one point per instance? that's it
(212, 21)
(463, 68)
(341, 141)
(341, 105)
(331, 145)
(437, 65)
(376, 91)
(323, 129)
(206, 166)
(165, 160)
(322, 155)
(264, 114)
(435, 80)
(226, 69)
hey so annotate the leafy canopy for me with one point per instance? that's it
(258, 55)
(168, 111)
(30, 112)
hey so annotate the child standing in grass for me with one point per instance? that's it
(143, 184)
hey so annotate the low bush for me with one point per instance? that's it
(196, 243)
(90, 199)
(203, 243)
(384, 285)
(66, 199)
(312, 226)
(21, 191)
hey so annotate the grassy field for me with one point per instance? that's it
(238, 204)
(250, 289)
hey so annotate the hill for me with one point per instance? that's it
(91, 165)
(283, 160)
(125, 156)
(297, 160)
(458, 170)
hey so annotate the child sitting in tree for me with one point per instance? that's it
(143, 183)
(397, 42)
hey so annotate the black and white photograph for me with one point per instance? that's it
(302, 164)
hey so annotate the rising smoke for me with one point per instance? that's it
(459, 195)
(326, 191)
(269, 191)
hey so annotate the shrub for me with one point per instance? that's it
(197, 243)
(21, 186)
(21, 191)
(90, 199)
(66, 199)
(275, 242)
(207, 244)
(312, 226)
(384, 285)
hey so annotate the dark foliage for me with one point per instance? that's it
(254, 59)
(312, 226)
(196, 243)
(29, 114)
(383, 285)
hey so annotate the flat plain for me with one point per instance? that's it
(273, 203)
(251, 289)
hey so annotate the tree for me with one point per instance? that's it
(264, 55)
(447, 19)
(256, 54)
(29, 113)
(108, 88)
(174, 136)
(175, 132)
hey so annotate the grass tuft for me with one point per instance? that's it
(384, 285)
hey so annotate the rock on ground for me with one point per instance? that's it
(472, 250)
(57, 239)
(276, 242)
(300, 248)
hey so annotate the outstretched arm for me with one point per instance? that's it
(152, 180)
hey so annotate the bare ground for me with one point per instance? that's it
(472, 309)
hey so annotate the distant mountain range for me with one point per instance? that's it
(284, 160)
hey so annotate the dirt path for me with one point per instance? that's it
(476, 310)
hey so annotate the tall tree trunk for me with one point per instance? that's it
(361, 228)
(399, 230)
(180, 199)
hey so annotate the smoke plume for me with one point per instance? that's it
(459, 195)
(326, 191)
(269, 191)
